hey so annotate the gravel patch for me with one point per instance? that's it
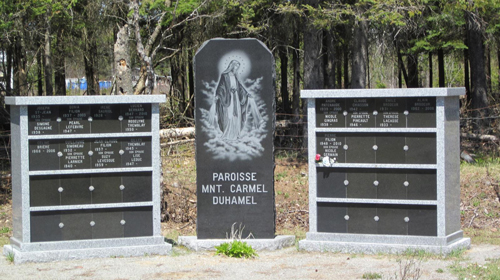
(286, 263)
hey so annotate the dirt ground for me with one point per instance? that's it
(480, 213)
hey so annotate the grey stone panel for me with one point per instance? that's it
(331, 217)
(421, 148)
(362, 219)
(330, 182)
(392, 219)
(360, 148)
(391, 184)
(390, 148)
(106, 188)
(422, 221)
(361, 183)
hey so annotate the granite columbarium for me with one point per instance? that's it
(86, 177)
(384, 170)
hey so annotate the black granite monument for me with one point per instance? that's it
(235, 93)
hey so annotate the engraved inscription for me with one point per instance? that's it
(74, 119)
(137, 117)
(105, 118)
(329, 113)
(42, 120)
(360, 112)
(74, 154)
(43, 155)
(330, 145)
(136, 152)
(390, 112)
(106, 153)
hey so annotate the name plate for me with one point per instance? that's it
(84, 119)
(376, 112)
(90, 153)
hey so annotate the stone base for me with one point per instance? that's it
(372, 244)
(31, 255)
(195, 244)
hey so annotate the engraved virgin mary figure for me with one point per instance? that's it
(234, 108)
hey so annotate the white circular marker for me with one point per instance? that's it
(122, 222)
(92, 223)
(60, 189)
(346, 217)
(61, 225)
(375, 147)
(406, 112)
(91, 188)
(122, 187)
(375, 183)
(375, 113)
(121, 152)
(90, 119)
(345, 113)
(120, 118)
(406, 148)
(58, 119)
(346, 147)
(376, 218)
(346, 182)
(406, 183)
(407, 219)
(59, 154)
(91, 153)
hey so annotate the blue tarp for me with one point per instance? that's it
(82, 84)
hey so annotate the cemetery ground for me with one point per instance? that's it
(480, 214)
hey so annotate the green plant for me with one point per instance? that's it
(439, 270)
(236, 249)
(10, 257)
(4, 230)
(280, 176)
(371, 275)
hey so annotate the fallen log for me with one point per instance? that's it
(485, 137)
(176, 142)
(183, 132)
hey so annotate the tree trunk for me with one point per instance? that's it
(313, 62)
(430, 70)
(441, 68)
(338, 64)
(49, 87)
(477, 72)
(466, 74)
(59, 65)
(123, 72)
(402, 70)
(498, 61)
(412, 71)
(90, 62)
(329, 61)
(359, 55)
(191, 85)
(488, 67)
(9, 70)
(40, 74)
(283, 53)
(20, 75)
(346, 67)
(296, 76)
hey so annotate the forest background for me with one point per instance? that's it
(316, 44)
